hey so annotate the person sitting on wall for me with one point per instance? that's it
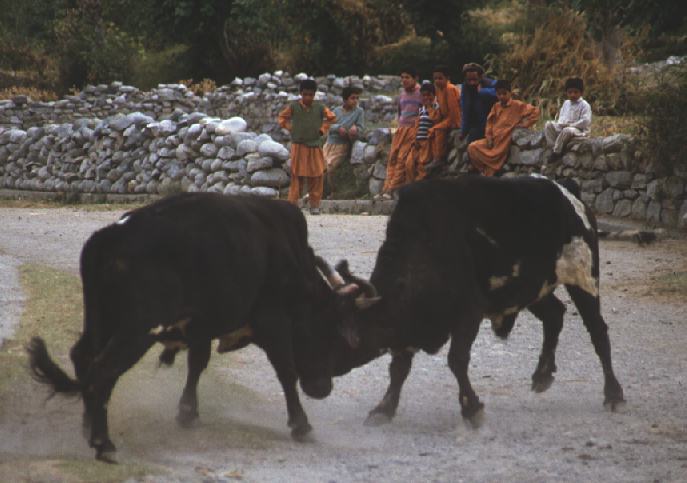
(574, 119)
(488, 155)
(348, 127)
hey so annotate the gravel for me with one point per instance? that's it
(564, 434)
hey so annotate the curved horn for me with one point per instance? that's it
(334, 279)
(368, 289)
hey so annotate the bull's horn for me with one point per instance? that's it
(369, 289)
(329, 273)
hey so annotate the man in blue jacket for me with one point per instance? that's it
(477, 96)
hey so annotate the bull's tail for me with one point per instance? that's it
(46, 371)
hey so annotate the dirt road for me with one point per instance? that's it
(563, 435)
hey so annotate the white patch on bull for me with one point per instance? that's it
(574, 266)
(181, 325)
(123, 220)
(488, 238)
(578, 206)
(516, 270)
(497, 282)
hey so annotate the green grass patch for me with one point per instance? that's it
(347, 186)
(53, 310)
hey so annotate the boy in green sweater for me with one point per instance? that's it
(307, 121)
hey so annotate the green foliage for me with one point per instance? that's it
(665, 120)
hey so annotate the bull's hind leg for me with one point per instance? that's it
(119, 355)
(198, 358)
(399, 368)
(462, 337)
(590, 310)
(550, 311)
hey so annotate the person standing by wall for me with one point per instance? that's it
(448, 98)
(477, 96)
(307, 121)
(409, 103)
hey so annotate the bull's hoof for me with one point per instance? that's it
(475, 421)
(473, 415)
(105, 451)
(300, 433)
(186, 416)
(615, 405)
(541, 382)
(377, 418)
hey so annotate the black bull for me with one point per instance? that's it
(459, 251)
(192, 268)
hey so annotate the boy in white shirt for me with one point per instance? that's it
(574, 119)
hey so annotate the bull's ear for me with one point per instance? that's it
(362, 302)
(350, 334)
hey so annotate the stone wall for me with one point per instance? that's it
(117, 139)
(258, 101)
(133, 153)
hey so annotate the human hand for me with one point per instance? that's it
(342, 132)
(353, 132)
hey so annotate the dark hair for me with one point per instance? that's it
(427, 87)
(308, 85)
(443, 69)
(410, 71)
(473, 67)
(347, 91)
(574, 83)
(502, 84)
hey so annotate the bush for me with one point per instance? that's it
(664, 126)
(539, 62)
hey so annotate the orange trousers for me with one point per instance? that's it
(315, 186)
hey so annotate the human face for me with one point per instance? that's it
(427, 99)
(407, 81)
(307, 96)
(503, 95)
(472, 78)
(573, 94)
(440, 80)
(351, 102)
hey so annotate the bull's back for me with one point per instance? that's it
(201, 256)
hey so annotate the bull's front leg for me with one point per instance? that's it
(399, 368)
(462, 338)
(280, 354)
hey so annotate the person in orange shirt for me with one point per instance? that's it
(448, 98)
(488, 155)
(307, 121)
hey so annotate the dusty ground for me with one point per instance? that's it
(563, 434)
